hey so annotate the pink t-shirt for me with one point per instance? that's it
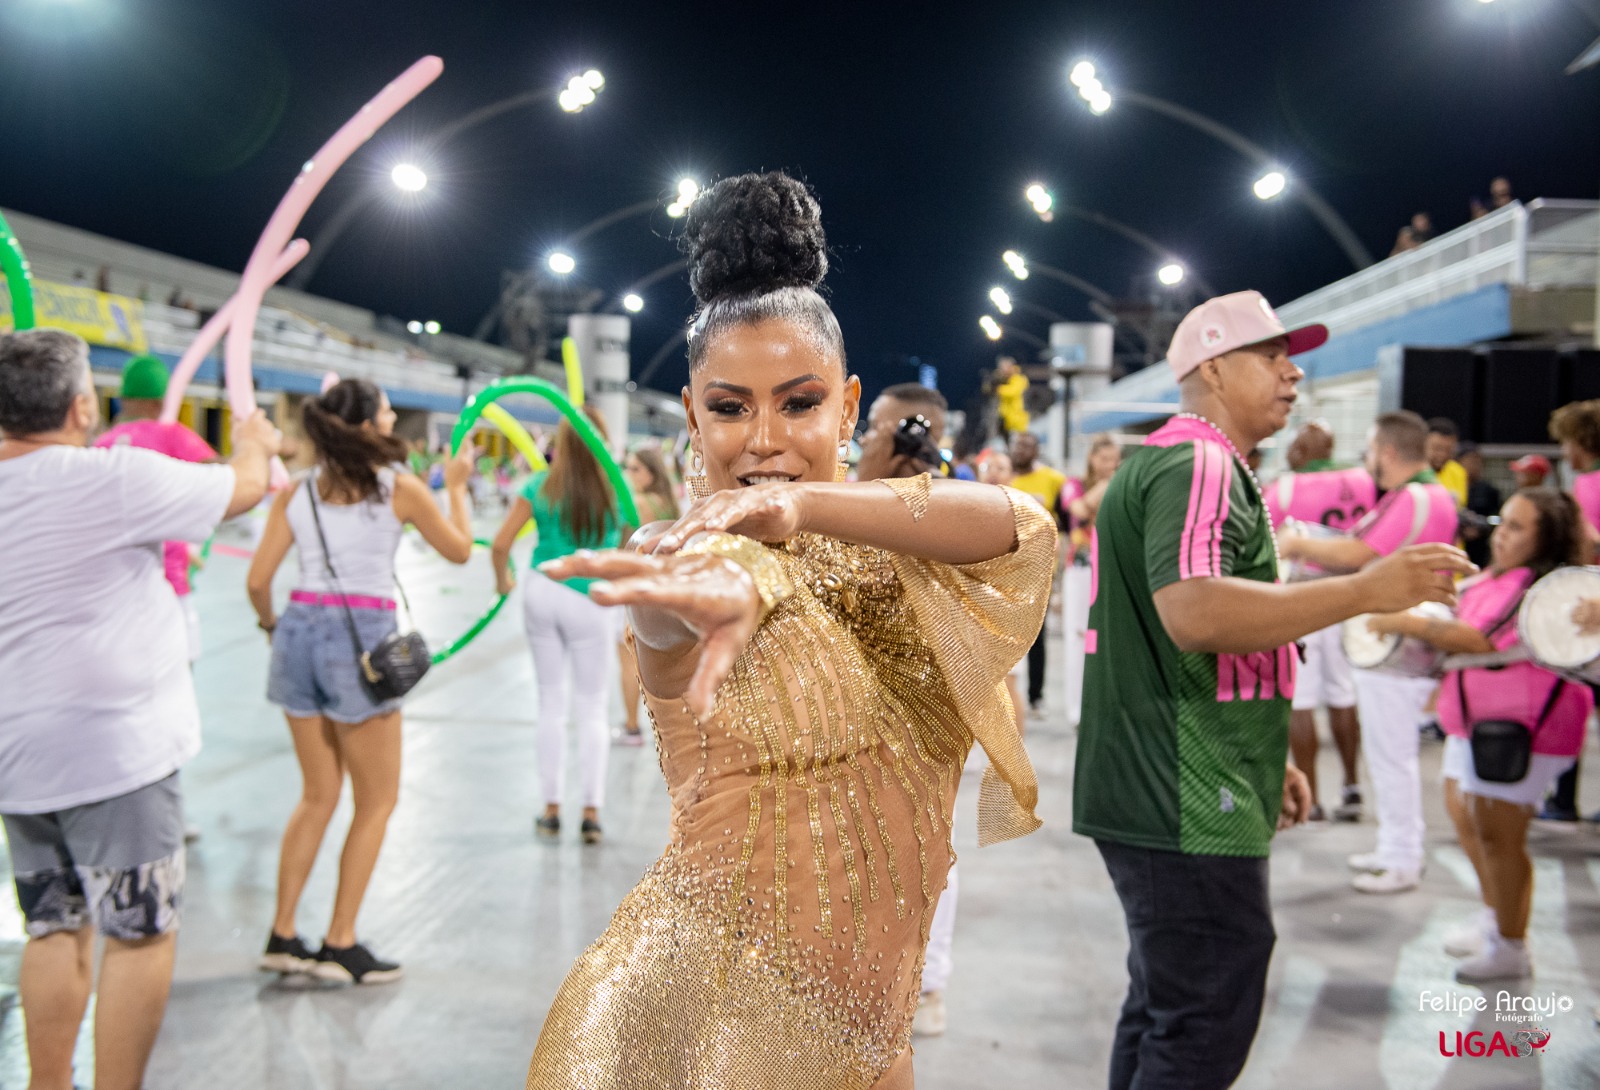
(175, 441)
(1336, 498)
(1517, 692)
(1586, 490)
(1413, 514)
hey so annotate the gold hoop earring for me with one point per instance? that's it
(695, 480)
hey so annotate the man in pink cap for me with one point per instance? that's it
(1181, 774)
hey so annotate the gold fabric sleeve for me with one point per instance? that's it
(979, 620)
(766, 570)
(913, 492)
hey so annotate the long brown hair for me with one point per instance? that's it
(660, 486)
(577, 487)
(349, 454)
(1099, 443)
(1562, 535)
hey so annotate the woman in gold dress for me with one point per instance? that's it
(814, 700)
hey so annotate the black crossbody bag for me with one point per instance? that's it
(1502, 748)
(393, 668)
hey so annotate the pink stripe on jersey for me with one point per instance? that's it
(1200, 546)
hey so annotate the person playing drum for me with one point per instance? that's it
(1540, 529)
(1415, 509)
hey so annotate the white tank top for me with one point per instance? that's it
(363, 538)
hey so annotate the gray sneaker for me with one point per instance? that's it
(1349, 808)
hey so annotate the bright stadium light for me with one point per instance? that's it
(561, 263)
(1014, 261)
(1270, 185)
(1001, 301)
(409, 178)
(1082, 74)
(413, 327)
(633, 302)
(990, 327)
(593, 80)
(1041, 199)
(431, 327)
(581, 91)
(688, 191)
(1171, 274)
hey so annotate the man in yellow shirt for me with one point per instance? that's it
(1010, 386)
(1044, 484)
(1443, 440)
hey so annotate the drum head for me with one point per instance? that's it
(1365, 649)
(1545, 620)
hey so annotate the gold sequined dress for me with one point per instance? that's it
(778, 942)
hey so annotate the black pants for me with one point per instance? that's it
(1200, 937)
(1036, 657)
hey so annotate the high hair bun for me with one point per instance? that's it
(754, 233)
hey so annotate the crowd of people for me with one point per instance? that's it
(819, 659)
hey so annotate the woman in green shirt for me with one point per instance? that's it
(571, 637)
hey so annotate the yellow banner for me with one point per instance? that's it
(114, 321)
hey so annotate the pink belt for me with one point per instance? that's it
(354, 601)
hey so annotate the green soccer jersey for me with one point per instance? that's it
(1178, 750)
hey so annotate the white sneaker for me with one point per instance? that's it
(1365, 861)
(1502, 959)
(929, 1021)
(1472, 937)
(1388, 880)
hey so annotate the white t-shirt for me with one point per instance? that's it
(95, 694)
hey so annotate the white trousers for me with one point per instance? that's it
(1391, 709)
(942, 938)
(572, 639)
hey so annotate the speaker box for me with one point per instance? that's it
(1522, 386)
(1433, 382)
(1581, 374)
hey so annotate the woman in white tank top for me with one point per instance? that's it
(362, 505)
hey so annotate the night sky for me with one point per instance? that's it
(179, 125)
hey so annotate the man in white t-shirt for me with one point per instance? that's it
(97, 709)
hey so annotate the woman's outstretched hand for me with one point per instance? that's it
(714, 598)
(764, 512)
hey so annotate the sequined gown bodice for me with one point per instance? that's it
(778, 941)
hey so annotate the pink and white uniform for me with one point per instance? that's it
(1391, 706)
(1336, 498)
(1520, 692)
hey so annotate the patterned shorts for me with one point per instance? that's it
(118, 864)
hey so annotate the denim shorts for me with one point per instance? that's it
(315, 668)
(118, 864)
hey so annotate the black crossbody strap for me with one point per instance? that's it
(327, 561)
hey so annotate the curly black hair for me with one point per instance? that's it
(757, 251)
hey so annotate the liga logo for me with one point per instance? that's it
(1521, 1044)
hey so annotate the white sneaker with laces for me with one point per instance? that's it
(1365, 861)
(1502, 959)
(1388, 880)
(1472, 937)
(929, 1021)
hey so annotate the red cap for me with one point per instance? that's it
(1530, 462)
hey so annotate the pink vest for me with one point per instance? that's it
(1336, 498)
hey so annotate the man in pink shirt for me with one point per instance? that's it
(1316, 491)
(1576, 426)
(1415, 509)
(144, 385)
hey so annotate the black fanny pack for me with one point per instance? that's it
(1502, 748)
(393, 668)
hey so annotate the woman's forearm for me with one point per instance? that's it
(964, 523)
(1451, 637)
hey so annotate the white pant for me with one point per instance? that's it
(570, 633)
(1326, 678)
(1391, 709)
(941, 938)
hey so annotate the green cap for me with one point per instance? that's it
(144, 378)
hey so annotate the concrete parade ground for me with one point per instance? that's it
(487, 920)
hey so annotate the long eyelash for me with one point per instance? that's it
(805, 401)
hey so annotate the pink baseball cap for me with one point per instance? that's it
(1218, 326)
